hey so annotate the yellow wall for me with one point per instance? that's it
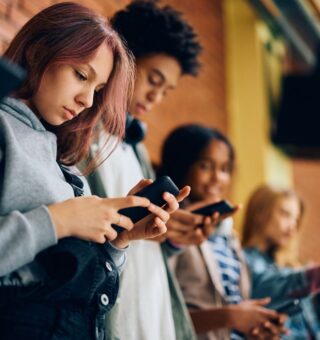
(249, 68)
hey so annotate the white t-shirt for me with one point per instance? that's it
(143, 310)
(121, 171)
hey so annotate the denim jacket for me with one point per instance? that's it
(279, 283)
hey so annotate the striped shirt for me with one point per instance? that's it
(230, 270)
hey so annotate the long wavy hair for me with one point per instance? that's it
(258, 214)
(69, 33)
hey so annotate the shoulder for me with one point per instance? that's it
(255, 260)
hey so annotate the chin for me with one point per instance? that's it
(212, 197)
(282, 244)
(137, 116)
(56, 122)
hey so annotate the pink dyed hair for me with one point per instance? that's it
(70, 33)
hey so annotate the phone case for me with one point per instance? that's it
(154, 193)
(223, 207)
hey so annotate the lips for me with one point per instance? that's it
(70, 113)
(141, 109)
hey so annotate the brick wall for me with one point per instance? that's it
(195, 100)
(307, 183)
(201, 100)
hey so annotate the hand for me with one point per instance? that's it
(186, 228)
(90, 217)
(210, 222)
(152, 225)
(271, 330)
(183, 193)
(249, 317)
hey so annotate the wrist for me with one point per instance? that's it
(122, 241)
(231, 315)
(59, 226)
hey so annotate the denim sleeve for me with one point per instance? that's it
(274, 282)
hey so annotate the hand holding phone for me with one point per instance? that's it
(290, 308)
(154, 193)
(222, 207)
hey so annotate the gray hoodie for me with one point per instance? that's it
(30, 180)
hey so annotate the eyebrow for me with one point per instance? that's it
(162, 76)
(92, 70)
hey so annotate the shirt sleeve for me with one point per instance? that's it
(275, 282)
(119, 256)
(23, 236)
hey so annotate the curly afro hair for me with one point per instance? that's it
(149, 29)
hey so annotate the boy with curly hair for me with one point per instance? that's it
(165, 47)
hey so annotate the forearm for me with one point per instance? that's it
(279, 284)
(212, 319)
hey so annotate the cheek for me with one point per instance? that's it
(225, 181)
(140, 87)
(200, 177)
(40, 100)
(194, 180)
(198, 185)
(276, 229)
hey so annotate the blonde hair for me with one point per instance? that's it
(258, 213)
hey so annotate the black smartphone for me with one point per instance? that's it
(290, 308)
(154, 193)
(11, 76)
(222, 207)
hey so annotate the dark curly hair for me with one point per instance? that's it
(149, 29)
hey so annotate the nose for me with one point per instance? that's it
(85, 99)
(293, 226)
(155, 96)
(214, 175)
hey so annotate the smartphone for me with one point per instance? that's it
(11, 76)
(290, 308)
(222, 207)
(153, 192)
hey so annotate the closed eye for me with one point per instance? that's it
(80, 75)
(97, 90)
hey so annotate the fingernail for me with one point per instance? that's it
(167, 195)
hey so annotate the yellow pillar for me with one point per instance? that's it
(249, 69)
